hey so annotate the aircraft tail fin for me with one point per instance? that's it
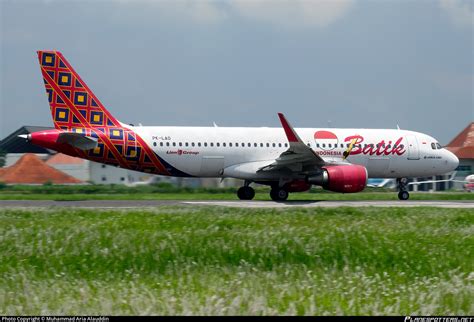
(72, 103)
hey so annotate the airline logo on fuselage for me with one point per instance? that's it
(182, 152)
(328, 141)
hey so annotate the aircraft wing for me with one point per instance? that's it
(298, 158)
(78, 140)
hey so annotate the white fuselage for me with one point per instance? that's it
(238, 152)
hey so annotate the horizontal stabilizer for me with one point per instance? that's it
(78, 140)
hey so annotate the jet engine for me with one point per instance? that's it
(341, 178)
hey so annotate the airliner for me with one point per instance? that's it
(287, 159)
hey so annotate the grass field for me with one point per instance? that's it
(164, 191)
(237, 261)
(260, 195)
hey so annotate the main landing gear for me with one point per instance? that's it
(246, 192)
(278, 194)
(402, 184)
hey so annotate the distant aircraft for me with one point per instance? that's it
(469, 183)
(286, 159)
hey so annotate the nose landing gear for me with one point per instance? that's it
(402, 184)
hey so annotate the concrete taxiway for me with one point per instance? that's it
(134, 204)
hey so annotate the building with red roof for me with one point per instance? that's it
(30, 169)
(463, 147)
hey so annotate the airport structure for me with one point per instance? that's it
(463, 147)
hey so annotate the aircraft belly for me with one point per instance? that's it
(211, 166)
(377, 167)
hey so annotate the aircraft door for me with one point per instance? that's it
(412, 146)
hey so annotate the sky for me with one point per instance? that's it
(328, 63)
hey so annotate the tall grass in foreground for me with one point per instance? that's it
(237, 261)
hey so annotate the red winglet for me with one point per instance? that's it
(290, 133)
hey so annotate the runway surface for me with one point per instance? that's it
(134, 204)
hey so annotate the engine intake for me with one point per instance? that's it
(341, 178)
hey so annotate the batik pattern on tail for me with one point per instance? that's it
(75, 108)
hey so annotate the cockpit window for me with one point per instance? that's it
(433, 146)
(438, 145)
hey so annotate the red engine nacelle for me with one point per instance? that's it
(341, 178)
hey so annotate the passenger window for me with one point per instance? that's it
(187, 144)
(348, 144)
(180, 143)
(205, 144)
(174, 143)
(401, 146)
(433, 146)
(192, 144)
(329, 145)
(154, 143)
(161, 143)
(317, 145)
(223, 144)
(218, 144)
(273, 144)
(230, 144)
(255, 145)
(286, 145)
(212, 144)
(243, 145)
(261, 145)
(324, 145)
(199, 144)
(249, 145)
(167, 144)
(268, 145)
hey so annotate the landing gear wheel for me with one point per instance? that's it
(403, 195)
(278, 194)
(402, 184)
(246, 193)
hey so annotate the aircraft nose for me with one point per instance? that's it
(453, 161)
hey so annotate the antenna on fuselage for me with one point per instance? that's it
(214, 123)
(398, 128)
